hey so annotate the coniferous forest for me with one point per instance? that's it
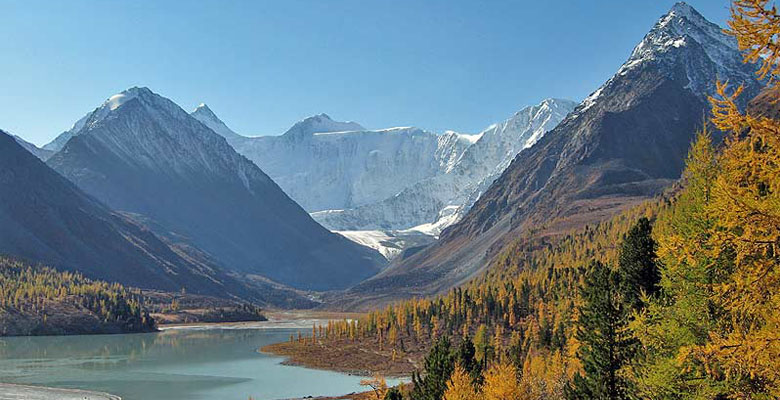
(678, 298)
(36, 300)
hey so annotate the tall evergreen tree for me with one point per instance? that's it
(439, 364)
(465, 356)
(638, 264)
(606, 344)
(394, 394)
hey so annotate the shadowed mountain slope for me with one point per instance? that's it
(142, 154)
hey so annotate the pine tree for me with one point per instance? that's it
(465, 357)
(684, 314)
(606, 344)
(637, 264)
(439, 365)
(394, 394)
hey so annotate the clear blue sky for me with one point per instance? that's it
(262, 65)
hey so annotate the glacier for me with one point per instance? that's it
(389, 188)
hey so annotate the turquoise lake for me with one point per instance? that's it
(212, 363)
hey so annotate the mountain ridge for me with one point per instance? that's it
(623, 144)
(140, 153)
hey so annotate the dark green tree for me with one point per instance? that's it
(439, 364)
(465, 355)
(606, 344)
(638, 264)
(394, 394)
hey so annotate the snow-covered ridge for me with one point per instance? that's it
(97, 115)
(466, 171)
(396, 129)
(395, 181)
(207, 117)
(400, 179)
(677, 38)
(321, 123)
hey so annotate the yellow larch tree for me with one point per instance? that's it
(501, 383)
(459, 386)
(746, 205)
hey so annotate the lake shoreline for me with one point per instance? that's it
(11, 391)
(359, 357)
(187, 361)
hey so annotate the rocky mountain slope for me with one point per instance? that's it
(141, 154)
(624, 143)
(45, 218)
(41, 153)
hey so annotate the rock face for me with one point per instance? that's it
(45, 218)
(468, 165)
(142, 154)
(623, 144)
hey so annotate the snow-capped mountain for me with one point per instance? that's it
(329, 165)
(624, 144)
(395, 183)
(140, 153)
(204, 114)
(684, 44)
(468, 165)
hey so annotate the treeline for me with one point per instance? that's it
(677, 299)
(40, 293)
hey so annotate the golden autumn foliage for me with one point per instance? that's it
(459, 386)
(27, 290)
(501, 383)
(745, 206)
(377, 384)
(755, 25)
(716, 331)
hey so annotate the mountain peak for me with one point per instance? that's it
(320, 123)
(204, 110)
(684, 9)
(118, 99)
(207, 117)
(681, 25)
(683, 40)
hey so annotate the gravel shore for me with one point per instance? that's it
(20, 392)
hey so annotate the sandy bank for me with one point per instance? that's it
(21, 392)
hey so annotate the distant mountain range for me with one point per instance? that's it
(623, 144)
(141, 154)
(401, 184)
